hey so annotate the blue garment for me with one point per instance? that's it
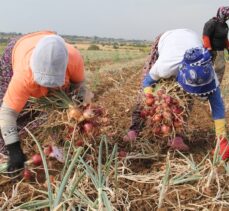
(217, 105)
(148, 81)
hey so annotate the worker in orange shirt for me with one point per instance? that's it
(30, 66)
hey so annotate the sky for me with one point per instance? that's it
(128, 19)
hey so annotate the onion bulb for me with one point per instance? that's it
(27, 174)
(165, 129)
(157, 118)
(88, 127)
(75, 113)
(36, 159)
(149, 101)
(88, 113)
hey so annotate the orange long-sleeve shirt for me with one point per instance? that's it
(22, 85)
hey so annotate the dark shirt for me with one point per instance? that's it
(217, 33)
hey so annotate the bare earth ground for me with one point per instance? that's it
(119, 98)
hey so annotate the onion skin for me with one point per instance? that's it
(160, 92)
(88, 127)
(144, 114)
(122, 154)
(131, 136)
(157, 130)
(165, 129)
(88, 114)
(27, 174)
(168, 100)
(177, 123)
(149, 101)
(37, 160)
(75, 113)
(167, 115)
(47, 150)
(148, 95)
(176, 110)
(79, 143)
(157, 118)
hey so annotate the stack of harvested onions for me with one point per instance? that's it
(85, 117)
(165, 111)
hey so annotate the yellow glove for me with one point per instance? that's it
(220, 128)
(148, 90)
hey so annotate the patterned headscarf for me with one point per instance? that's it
(196, 75)
(223, 14)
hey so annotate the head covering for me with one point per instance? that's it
(49, 61)
(223, 14)
(196, 74)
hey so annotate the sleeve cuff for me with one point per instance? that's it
(148, 90)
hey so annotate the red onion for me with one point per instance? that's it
(165, 129)
(37, 160)
(27, 174)
(88, 127)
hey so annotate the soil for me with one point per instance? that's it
(120, 98)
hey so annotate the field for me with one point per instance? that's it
(105, 173)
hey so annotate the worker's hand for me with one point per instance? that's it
(82, 95)
(224, 148)
(16, 158)
(213, 54)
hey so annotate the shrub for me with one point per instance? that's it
(93, 47)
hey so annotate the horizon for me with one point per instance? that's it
(128, 19)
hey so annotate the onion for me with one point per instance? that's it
(88, 113)
(164, 105)
(152, 111)
(167, 115)
(75, 113)
(144, 114)
(177, 123)
(36, 159)
(47, 150)
(160, 92)
(27, 174)
(148, 95)
(165, 129)
(157, 130)
(157, 118)
(149, 101)
(131, 136)
(176, 110)
(122, 154)
(88, 127)
(168, 99)
(79, 143)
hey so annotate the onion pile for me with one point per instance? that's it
(87, 118)
(163, 114)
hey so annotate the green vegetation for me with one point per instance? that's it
(2, 47)
(113, 56)
(93, 47)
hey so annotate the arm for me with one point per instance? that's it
(77, 77)
(9, 132)
(218, 112)
(150, 79)
(14, 100)
(208, 31)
